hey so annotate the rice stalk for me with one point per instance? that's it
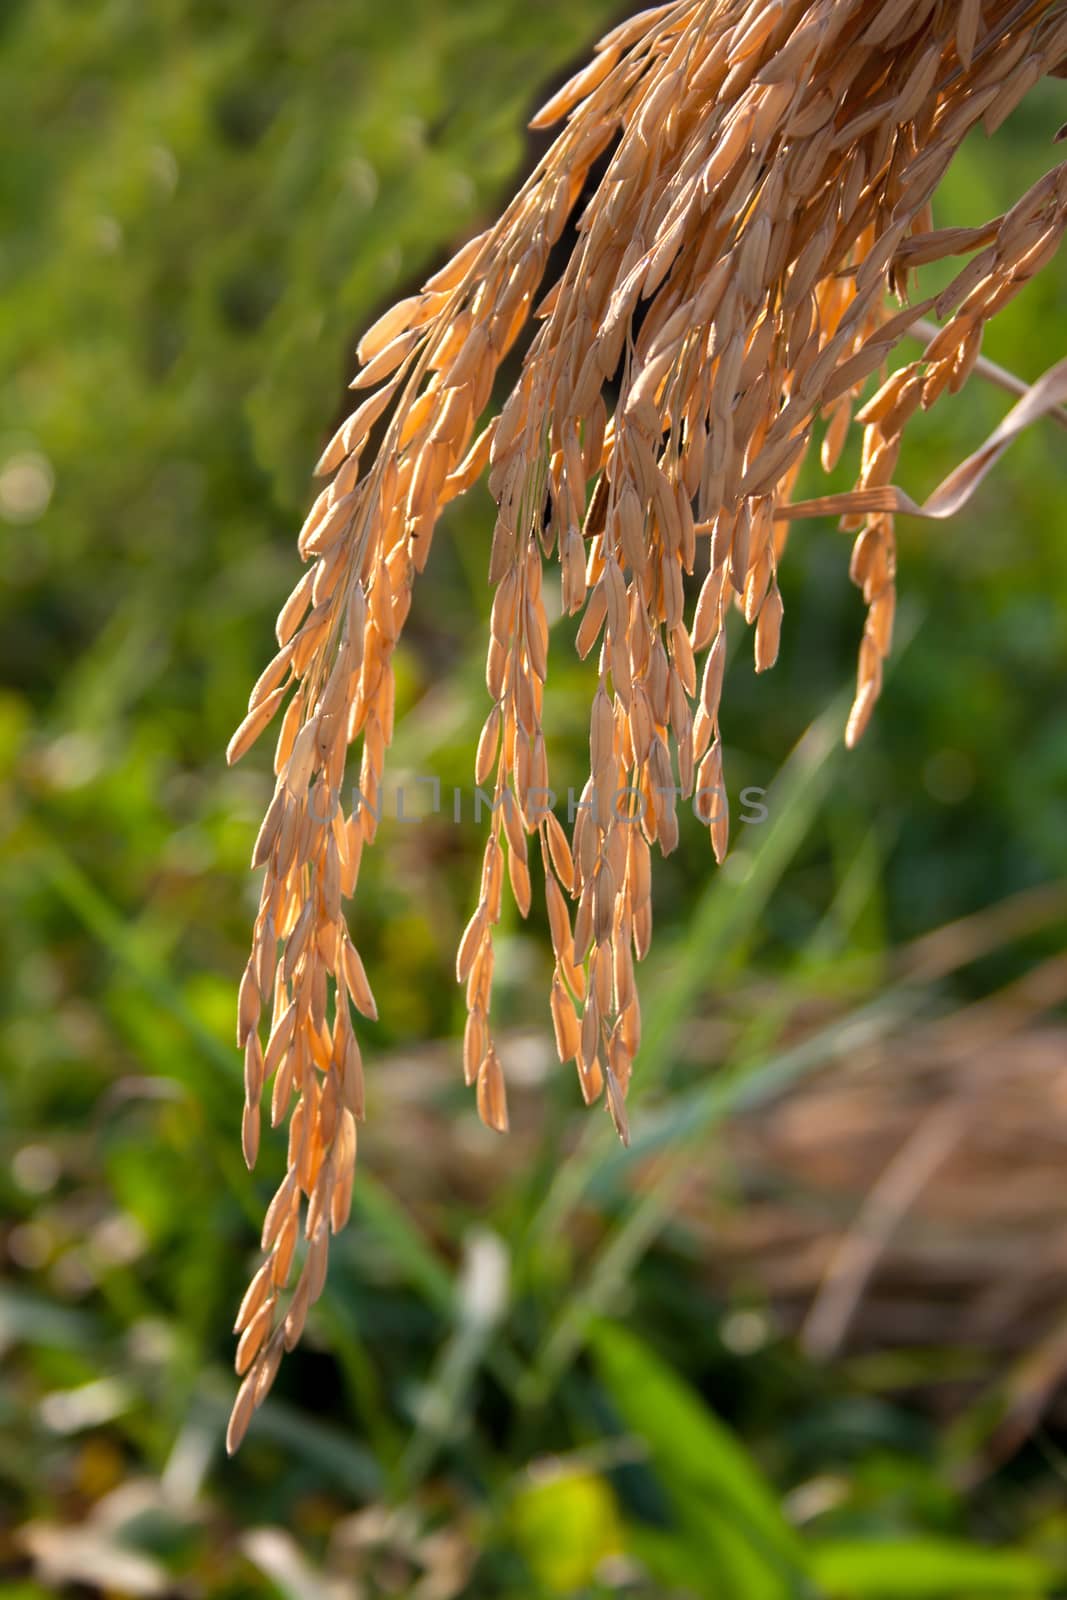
(740, 270)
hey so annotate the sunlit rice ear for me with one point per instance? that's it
(739, 270)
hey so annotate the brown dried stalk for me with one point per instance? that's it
(771, 165)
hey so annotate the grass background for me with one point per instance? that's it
(528, 1376)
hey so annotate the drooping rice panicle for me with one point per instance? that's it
(740, 270)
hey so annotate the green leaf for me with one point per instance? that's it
(924, 1569)
(726, 1545)
(716, 1488)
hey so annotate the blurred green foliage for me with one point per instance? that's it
(202, 206)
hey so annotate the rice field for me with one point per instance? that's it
(803, 1334)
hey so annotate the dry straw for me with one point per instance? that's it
(741, 269)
